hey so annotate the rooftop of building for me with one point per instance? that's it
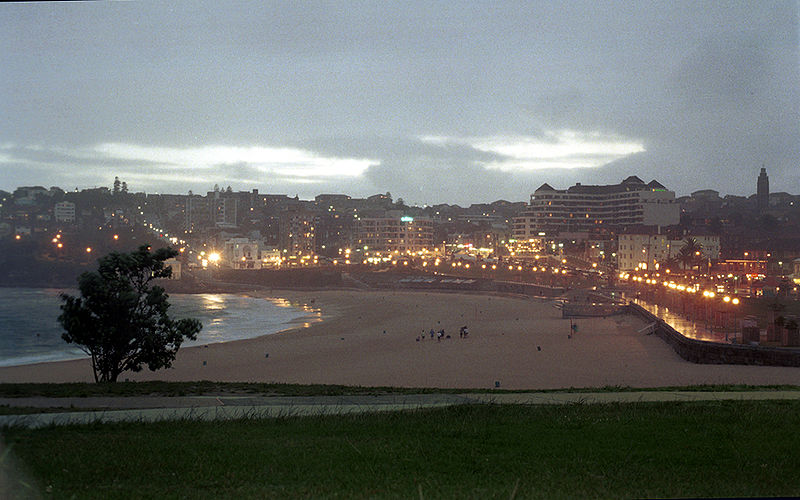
(631, 183)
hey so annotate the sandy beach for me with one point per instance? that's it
(369, 338)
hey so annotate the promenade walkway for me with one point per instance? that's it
(155, 409)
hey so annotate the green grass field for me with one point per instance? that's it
(611, 451)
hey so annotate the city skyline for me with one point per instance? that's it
(397, 196)
(437, 104)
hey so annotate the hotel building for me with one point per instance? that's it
(591, 209)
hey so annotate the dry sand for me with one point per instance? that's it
(521, 343)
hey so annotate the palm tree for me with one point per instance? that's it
(690, 252)
(670, 263)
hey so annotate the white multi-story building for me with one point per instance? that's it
(242, 253)
(644, 251)
(64, 212)
(592, 208)
(389, 234)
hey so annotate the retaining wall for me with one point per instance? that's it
(589, 310)
(699, 351)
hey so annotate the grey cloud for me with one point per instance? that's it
(709, 88)
(66, 159)
(396, 148)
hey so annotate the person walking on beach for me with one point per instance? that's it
(432, 333)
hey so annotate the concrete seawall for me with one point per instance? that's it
(698, 351)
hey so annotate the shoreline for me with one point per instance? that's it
(306, 315)
(520, 343)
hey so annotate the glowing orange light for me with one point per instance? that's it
(88, 249)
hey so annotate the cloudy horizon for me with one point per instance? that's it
(434, 102)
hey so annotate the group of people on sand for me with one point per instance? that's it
(463, 332)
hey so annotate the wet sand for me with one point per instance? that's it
(520, 342)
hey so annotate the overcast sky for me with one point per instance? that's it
(436, 102)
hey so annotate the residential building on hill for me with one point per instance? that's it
(64, 212)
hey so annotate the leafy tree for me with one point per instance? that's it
(121, 319)
(116, 188)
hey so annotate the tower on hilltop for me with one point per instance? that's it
(762, 191)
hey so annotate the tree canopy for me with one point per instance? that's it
(121, 319)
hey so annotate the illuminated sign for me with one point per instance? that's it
(406, 219)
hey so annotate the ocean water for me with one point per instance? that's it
(30, 333)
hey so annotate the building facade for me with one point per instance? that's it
(297, 233)
(596, 208)
(390, 234)
(242, 253)
(64, 212)
(646, 251)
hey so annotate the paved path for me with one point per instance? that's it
(153, 409)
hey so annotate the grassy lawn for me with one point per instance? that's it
(205, 387)
(622, 450)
